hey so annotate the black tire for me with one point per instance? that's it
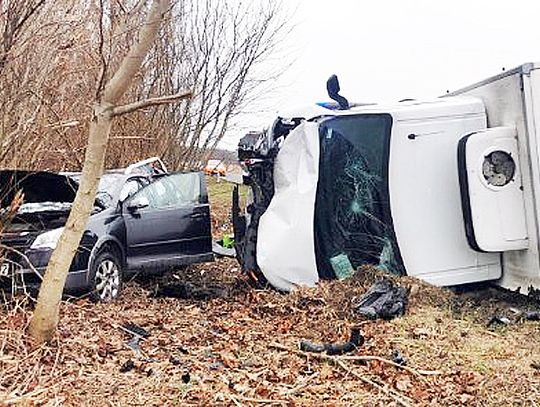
(106, 277)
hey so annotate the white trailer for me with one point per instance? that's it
(448, 191)
(509, 214)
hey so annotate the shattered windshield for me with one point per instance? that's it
(353, 224)
(108, 188)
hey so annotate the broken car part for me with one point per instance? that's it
(137, 334)
(383, 300)
(498, 320)
(532, 316)
(356, 340)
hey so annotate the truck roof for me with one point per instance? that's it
(456, 106)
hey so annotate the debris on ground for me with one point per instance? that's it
(354, 342)
(398, 358)
(498, 320)
(190, 291)
(221, 249)
(452, 358)
(531, 316)
(383, 300)
(127, 366)
(137, 334)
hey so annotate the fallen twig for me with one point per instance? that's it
(394, 397)
(262, 401)
(296, 389)
(363, 358)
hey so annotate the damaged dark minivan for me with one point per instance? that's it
(144, 220)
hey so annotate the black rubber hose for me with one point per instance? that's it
(354, 342)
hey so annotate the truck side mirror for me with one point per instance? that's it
(332, 86)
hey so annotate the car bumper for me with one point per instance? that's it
(29, 281)
(23, 274)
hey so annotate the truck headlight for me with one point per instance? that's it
(47, 240)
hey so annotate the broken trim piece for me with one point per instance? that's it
(356, 340)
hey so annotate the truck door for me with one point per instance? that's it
(491, 190)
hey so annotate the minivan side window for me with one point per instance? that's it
(173, 190)
(130, 187)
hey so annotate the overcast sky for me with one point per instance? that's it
(385, 50)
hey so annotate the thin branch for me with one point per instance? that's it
(338, 361)
(103, 68)
(129, 66)
(162, 100)
(396, 398)
(24, 257)
(362, 358)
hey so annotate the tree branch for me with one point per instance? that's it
(162, 100)
(129, 66)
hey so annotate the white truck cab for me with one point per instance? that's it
(446, 190)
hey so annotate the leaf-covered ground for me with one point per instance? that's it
(233, 345)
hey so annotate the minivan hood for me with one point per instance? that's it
(38, 187)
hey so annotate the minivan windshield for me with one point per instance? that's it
(352, 209)
(108, 189)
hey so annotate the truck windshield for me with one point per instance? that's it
(352, 209)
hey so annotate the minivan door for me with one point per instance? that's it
(172, 227)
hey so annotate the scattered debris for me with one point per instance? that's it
(532, 316)
(498, 320)
(137, 333)
(135, 330)
(186, 377)
(354, 342)
(250, 339)
(216, 366)
(127, 366)
(189, 291)
(398, 358)
(383, 300)
(183, 350)
(174, 360)
(515, 311)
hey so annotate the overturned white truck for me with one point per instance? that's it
(446, 190)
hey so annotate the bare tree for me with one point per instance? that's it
(225, 78)
(221, 49)
(36, 79)
(106, 108)
(15, 16)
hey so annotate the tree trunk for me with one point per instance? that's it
(45, 318)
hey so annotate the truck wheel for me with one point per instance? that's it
(105, 277)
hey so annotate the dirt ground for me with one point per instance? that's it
(229, 344)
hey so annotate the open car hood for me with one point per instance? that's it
(38, 187)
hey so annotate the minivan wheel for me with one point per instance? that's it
(106, 278)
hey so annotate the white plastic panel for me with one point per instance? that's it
(285, 244)
(495, 191)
